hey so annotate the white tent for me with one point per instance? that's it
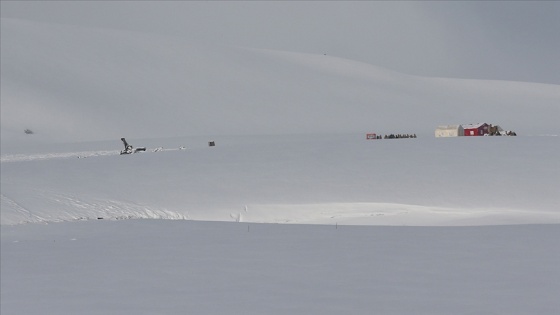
(449, 131)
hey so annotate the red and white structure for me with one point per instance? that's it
(480, 129)
(471, 130)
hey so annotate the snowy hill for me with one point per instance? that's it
(72, 84)
(78, 84)
(448, 226)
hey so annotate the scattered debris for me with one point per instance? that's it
(498, 131)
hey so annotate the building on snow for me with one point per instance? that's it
(449, 131)
(479, 129)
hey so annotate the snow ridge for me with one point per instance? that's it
(73, 208)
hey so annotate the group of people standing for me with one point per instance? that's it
(399, 136)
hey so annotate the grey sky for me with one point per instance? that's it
(516, 40)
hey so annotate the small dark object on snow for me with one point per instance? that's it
(28, 131)
(211, 144)
(128, 148)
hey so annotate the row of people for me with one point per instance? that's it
(399, 136)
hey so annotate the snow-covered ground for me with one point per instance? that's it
(178, 267)
(466, 225)
(437, 234)
(327, 179)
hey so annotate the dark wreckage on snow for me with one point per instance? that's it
(128, 149)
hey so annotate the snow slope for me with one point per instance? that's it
(72, 84)
(448, 226)
(78, 84)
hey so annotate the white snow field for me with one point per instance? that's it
(326, 179)
(187, 267)
(466, 225)
(449, 226)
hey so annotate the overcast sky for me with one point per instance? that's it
(516, 40)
